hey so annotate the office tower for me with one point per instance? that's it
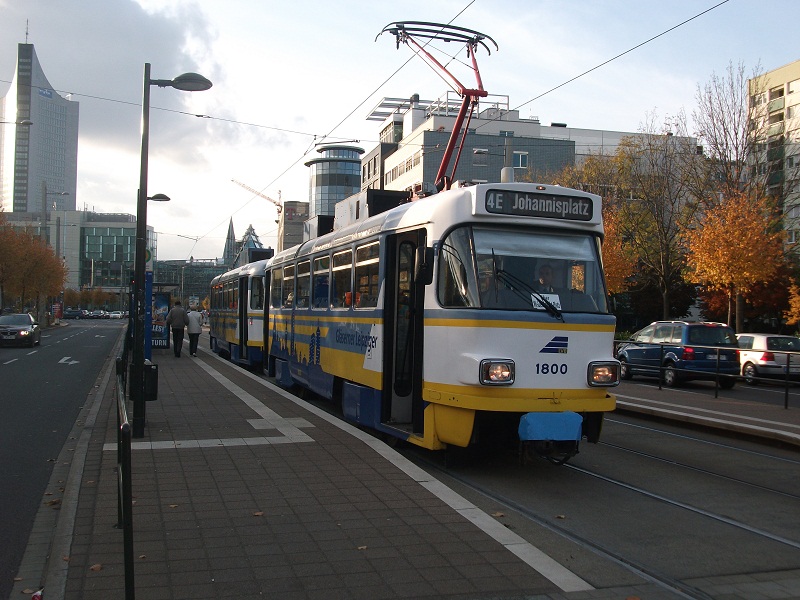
(39, 147)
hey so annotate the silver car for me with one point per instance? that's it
(766, 354)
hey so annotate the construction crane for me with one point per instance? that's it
(260, 195)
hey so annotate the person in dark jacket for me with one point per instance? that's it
(177, 321)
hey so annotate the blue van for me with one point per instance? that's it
(682, 350)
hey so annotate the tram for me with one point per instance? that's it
(475, 315)
(427, 323)
(237, 314)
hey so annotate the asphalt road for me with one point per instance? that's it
(41, 393)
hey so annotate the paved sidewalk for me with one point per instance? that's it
(243, 491)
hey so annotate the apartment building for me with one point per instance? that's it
(775, 106)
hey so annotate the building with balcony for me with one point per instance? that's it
(414, 134)
(775, 113)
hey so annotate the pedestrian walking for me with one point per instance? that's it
(194, 328)
(177, 321)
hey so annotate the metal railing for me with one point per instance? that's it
(124, 485)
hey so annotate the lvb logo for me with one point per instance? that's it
(558, 345)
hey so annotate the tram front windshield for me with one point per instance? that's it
(513, 269)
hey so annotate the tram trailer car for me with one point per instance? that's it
(426, 322)
(237, 314)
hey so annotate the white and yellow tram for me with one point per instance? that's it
(237, 314)
(427, 323)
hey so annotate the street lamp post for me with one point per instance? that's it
(188, 82)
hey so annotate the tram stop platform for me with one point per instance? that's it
(241, 490)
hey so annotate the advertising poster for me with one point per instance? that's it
(160, 330)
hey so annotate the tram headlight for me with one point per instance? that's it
(603, 374)
(497, 371)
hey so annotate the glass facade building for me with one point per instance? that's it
(38, 161)
(335, 175)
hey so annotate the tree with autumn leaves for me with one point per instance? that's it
(685, 216)
(29, 269)
(734, 246)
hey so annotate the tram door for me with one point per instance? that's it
(404, 316)
(241, 317)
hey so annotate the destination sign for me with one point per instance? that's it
(538, 204)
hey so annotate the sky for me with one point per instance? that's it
(289, 75)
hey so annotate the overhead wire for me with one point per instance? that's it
(316, 137)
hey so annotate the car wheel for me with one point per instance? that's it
(726, 383)
(750, 374)
(624, 369)
(670, 376)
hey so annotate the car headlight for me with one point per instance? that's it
(497, 371)
(603, 374)
(25, 332)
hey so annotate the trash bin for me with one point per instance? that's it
(150, 381)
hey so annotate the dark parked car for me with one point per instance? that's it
(74, 313)
(683, 350)
(19, 330)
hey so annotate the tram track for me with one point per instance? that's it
(702, 471)
(690, 508)
(692, 438)
(730, 514)
(633, 566)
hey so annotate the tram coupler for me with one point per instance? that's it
(553, 436)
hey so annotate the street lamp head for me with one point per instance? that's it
(23, 122)
(159, 198)
(188, 82)
(191, 82)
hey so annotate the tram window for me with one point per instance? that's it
(457, 280)
(367, 262)
(342, 292)
(320, 285)
(257, 293)
(275, 298)
(287, 299)
(303, 284)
